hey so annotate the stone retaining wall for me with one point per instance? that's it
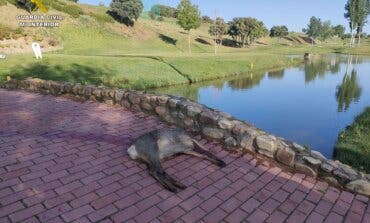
(236, 135)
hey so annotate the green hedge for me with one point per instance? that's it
(353, 146)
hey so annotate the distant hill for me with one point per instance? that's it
(86, 29)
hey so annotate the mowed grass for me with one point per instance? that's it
(353, 146)
(151, 54)
(201, 68)
(122, 72)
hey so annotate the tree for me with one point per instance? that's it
(164, 10)
(356, 12)
(218, 29)
(207, 19)
(314, 28)
(326, 30)
(126, 11)
(246, 30)
(26, 4)
(279, 32)
(188, 17)
(339, 31)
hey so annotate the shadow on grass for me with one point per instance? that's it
(168, 39)
(72, 73)
(202, 41)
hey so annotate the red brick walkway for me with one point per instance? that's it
(63, 161)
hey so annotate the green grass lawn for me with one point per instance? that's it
(152, 54)
(353, 146)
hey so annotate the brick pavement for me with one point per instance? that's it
(63, 161)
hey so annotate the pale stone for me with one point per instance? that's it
(188, 122)
(348, 170)
(119, 95)
(266, 145)
(303, 168)
(213, 133)
(230, 142)
(298, 147)
(286, 156)
(208, 117)
(327, 167)
(246, 142)
(134, 98)
(225, 124)
(147, 106)
(318, 155)
(240, 128)
(341, 175)
(193, 111)
(313, 161)
(162, 100)
(359, 186)
(181, 115)
(173, 103)
(160, 110)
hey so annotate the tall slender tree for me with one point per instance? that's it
(356, 12)
(188, 17)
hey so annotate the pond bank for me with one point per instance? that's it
(140, 72)
(353, 146)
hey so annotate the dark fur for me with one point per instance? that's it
(155, 146)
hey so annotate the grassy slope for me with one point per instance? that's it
(353, 146)
(152, 54)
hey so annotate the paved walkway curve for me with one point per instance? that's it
(63, 161)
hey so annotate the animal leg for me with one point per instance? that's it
(201, 152)
(157, 172)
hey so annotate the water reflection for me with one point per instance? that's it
(247, 82)
(309, 104)
(349, 90)
(277, 74)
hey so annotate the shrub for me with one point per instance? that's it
(102, 18)
(53, 42)
(126, 11)
(353, 146)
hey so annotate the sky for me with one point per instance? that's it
(295, 14)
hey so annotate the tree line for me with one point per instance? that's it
(243, 30)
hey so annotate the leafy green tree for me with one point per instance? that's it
(218, 29)
(279, 32)
(314, 28)
(207, 19)
(164, 10)
(188, 17)
(26, 4)
(356, 12)
(126, 11)
(349, 91)
(339, 31)
(326, 30)
(246, 30)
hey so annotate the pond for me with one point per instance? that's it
(309, 104)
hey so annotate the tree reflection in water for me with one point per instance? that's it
(349, 91)
(247, 82)
(277, 74)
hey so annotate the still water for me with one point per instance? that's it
(310, 104)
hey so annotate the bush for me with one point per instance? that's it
(38, 37)
(126, 11)
(353, 146)
(53, 42)
(72, 10)
(102, 18)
